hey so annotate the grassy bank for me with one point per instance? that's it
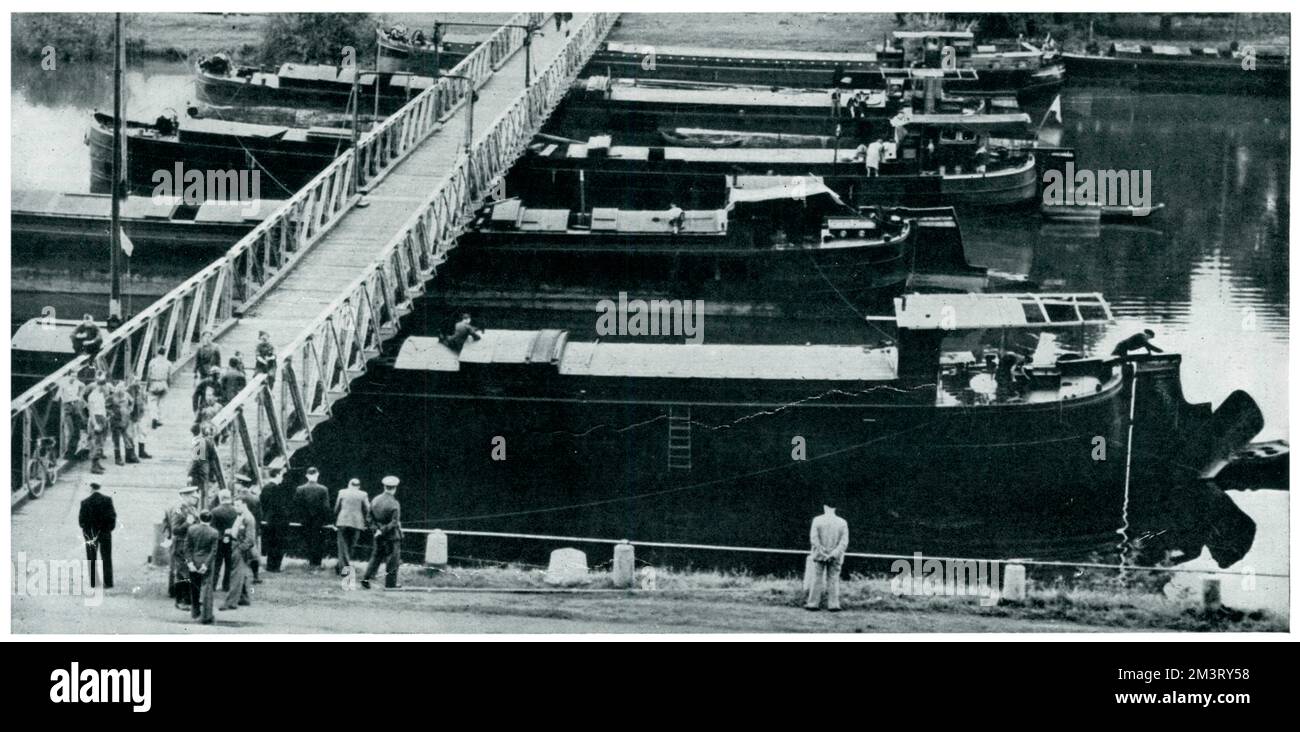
(173, 36)
(1095, 602)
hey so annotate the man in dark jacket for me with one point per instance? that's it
(277, 507)
(201, 541)
(311, 505)
(223, 517)
(207, 358)
(86, 338)
(233, 381)
(98, 518)
(1135, 342)
(386, 517)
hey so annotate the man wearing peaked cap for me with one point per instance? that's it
(177, 524)
(386, 517)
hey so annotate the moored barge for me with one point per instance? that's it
(790, 241)
(933, 160)
(285, 158)
(935, 419)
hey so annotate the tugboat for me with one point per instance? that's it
(777, 240)
(943, 416)
(932, 160)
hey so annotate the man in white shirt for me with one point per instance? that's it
(157, 374)
(97, 408)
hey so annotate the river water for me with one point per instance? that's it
(1209, 275)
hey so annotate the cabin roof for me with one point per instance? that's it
(45, 335)
(758, 188)
(908, 35)
(727, 361)
(1004, 119)
(627, 90)
(723, 154)
(757, 54)
(974, 311)
(656, 360)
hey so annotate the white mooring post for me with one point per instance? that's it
(1013, 583)
(568, 566)
(435, 548)
(624, 564)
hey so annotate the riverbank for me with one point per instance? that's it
(856, 32)
(515, 599)
(178, 36)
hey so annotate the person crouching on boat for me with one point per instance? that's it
(1136, 342)
(830, 540)
(676, 218)
(463, 331)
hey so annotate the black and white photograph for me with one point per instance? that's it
(649, 321)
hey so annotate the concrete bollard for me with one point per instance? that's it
(162, 555)
(1211, 594)
(1013, 583)
(568, 566)
(435, 548)
(624, 564)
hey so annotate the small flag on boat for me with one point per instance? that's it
(127, 246)
(1053, 111)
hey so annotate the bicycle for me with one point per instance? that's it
(43, 468)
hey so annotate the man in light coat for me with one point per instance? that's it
(830, 540)
(351, 517)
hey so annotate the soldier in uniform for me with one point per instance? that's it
(179, 520)
(386, 517)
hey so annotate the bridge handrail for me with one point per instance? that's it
(213, 298)
(270, 416)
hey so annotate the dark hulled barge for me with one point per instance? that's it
(934, 420)
(789, 241)
(286, 158)
(599, 104)
(302, 85)
(49, 218)
(932, 160)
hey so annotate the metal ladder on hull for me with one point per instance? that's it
(679, 437)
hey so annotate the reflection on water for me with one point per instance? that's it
(1209, 274)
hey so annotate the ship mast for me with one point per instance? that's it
(115, 249)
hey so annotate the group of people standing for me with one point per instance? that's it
(96, 409)
(218, 549)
